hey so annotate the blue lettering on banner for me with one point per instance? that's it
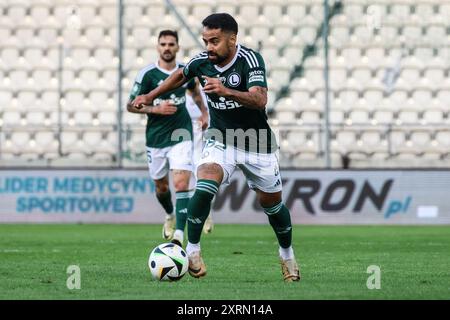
(75, 204)
(23, 185)
(59, 205)
(84, 205)
(88, 185)
(72, 194)
(102, 185)
(61, 185)
(76, 185)
(396, 206)
(21, 204)
(112, 188)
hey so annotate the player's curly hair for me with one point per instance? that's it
(222, 21)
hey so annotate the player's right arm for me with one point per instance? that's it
(142, 85)
(174, 81)
(164, 108)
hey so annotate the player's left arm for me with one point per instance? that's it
(255, 78)
(254, 98)
(174, 81)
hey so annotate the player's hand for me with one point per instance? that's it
(204, 118)
(214, 85)
(165, 108)
(141, 100)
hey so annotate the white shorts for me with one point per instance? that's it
(261, 170)
(176, 157)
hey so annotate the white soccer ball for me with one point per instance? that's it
(168, 262)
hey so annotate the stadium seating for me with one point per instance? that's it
(389, 76)
(409, 114)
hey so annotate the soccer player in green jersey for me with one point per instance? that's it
(234, 80)
(167, 114)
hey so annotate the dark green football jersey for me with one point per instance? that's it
(160, 127)
(239, 126)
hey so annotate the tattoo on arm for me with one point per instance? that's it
(255, 98)
(132, 109)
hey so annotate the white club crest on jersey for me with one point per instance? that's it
(234, 79)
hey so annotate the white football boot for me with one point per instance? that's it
(290, 270)
(168, 227)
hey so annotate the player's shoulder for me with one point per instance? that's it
(145, 71)
(199, 58)
(203, 54)
(250, 57)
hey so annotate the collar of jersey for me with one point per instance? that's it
(169, 72)
(228, 66)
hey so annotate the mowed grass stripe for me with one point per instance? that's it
(242, 263)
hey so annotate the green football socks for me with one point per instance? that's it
(181, 209)
(166, 201)
(199, 207)
(280, 220)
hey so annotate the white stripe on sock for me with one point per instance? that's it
(206, 190)
(205, 184)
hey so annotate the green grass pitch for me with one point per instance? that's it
(241, 259)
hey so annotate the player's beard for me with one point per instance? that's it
(168, 57)
(216, 59)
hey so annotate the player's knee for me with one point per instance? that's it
(273, 209)
(210, 171)
(181, 185)
(181, 180)
(161, 186)
(162, 189)
(268, 200)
